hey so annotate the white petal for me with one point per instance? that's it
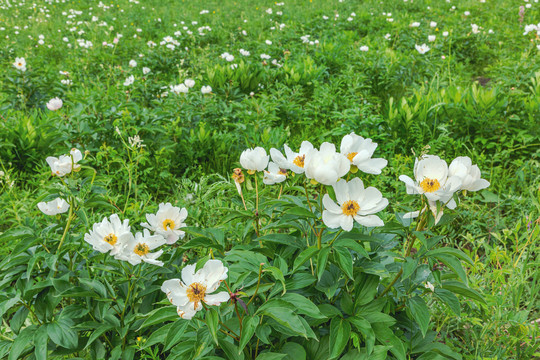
(330, 205)
(346, 222)
(331, 220)
(216, 299)
(369, 220)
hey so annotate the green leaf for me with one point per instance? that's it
(300, 211)
(451, 252)
(419, 312)
(271, 356)
(340, 331)
(21, 342)
(353, 245)
(62, 333)
(449, 299)
(303, 305)
(294, 351)
(365, 329)
(230, 350)
(283, 239)
(98, 332)
(249, 324)
(160, 315)
(6, 305)
(212, 321)
(285, 317)
(304, 256)
(322, 260)
(40, 343)
(454, 264)
(175, 334)
(344, 259)
(459, 288)
(277, 274)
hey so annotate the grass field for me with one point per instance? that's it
(162, 97)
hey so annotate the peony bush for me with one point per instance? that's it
(316, 265)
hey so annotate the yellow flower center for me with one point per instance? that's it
(430, 185)
(299, 161)
(168, 223)
(351, 156)
(282, 171)
(111, 239)
(350, 207)
(141, 249)
(195, 293)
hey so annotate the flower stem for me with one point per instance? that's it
(258, 284)
(68, 224)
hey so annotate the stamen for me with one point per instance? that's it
(430, 185)
(351, 156)
(168, 224)
(141, 249)
(299, 160)
(111, 239)
(350, 207)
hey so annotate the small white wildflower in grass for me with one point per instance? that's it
(132, 63)
(129, 80)
(364, 48)
(189, 83)
(145, 70)
(206, 89)
(431, 38)
(20, 64)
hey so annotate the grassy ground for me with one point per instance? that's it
(476, 92)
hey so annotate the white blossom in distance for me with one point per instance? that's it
(132, 63)
(469, 174)
(167, 222)
(63, 165)
(355, 203)
(54, 207)
(145, 70)
(359, 152)
(54, 104)
(189, 83)
(206, 89)
(138, 249)
(274, 174)
(293, 161)
(364, 48)
(188, 293)
(20, 64)
(109, 235)
(326, 165)
(254, 159)
(129, 80)
(422, 49)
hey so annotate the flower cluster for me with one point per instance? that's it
(438, 182)
(114, 236)
(327, 166)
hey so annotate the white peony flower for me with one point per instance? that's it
(434, 182)
(137, 249)
(167, 222)
(206, 89)
(189, 83)
(54, 207)
(475, 29)
(431, 38)
(132, 63)
(326, 165)
(359, 151)
(293, 161)
(355, 203)
(274, 174)
(20, 64)
(254, 159)
(422, 49)
(109, 235)
(64, 164)
(415, 24)
(469, 174)
(364, 48)
(433, 24)
(54, 104)
(145, 70)
(188, 293)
